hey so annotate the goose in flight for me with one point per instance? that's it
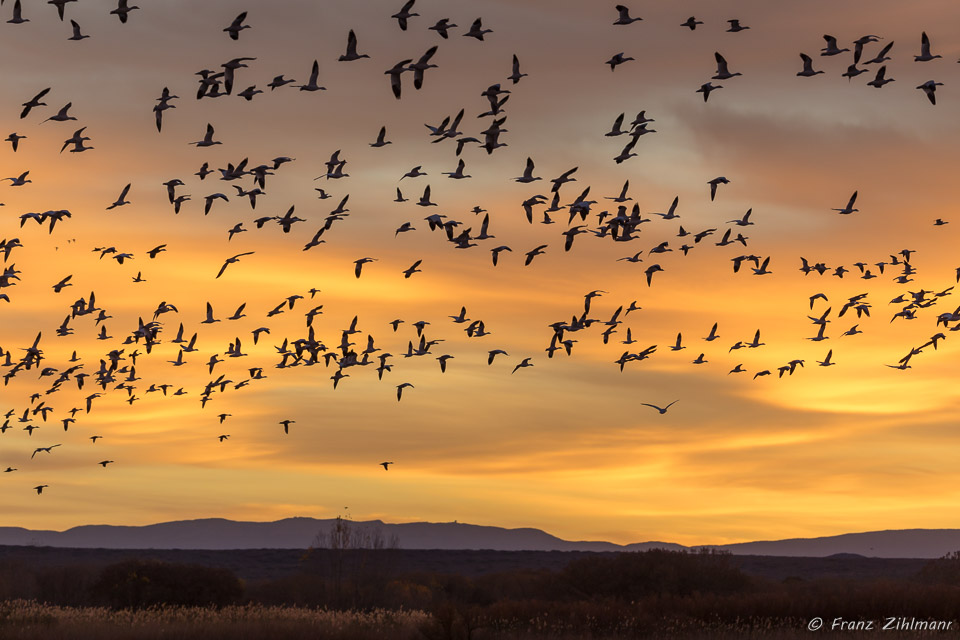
(662, 410)
(40, 487)
(707, 88)
(230, 261)
(359, 265)
(223, 436)
(649, 271)
(925, 50)
(744, 221)
(34, 101)
(14, 139)
(121, 11)
(394, 73)
(476, 30)
(76, 32)
(422, 65)
(735, 26)
(412, 269)
(713, 186)
(381, 139)
(858, 46)
(496, 252)
(20, 180)
(60, 5)
(18, 19)
(880, 78)
(533, 253)
(312, 82)
(401, 387)
(826, 361)
(442, 27)
(852, 72)
(525, 363)
(494, 353)
(624, 17)
(691, 23)
(762, 271)
(237, 26)
(882, 56)
(286, 425)
(44, 449)
(61, 115)
(713, 333)
(386, 465)
(122, 199)
(723, 72)
(516, 75)
(104, 463)
(527, 176)
(404, 14)
(208, 140)
(807, 71)
(930, 88)
(351, 53)
(279, 81)
(849, 208)
(563, 179)
(831, 49)
(617, 60)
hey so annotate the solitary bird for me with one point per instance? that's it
(351, 53)
(617, 60)
(34, 101)
(624, 16)
(237, 26)
(122, 199)
(930, 88)
(121, 11)
(713, 186)
(404, 14)
(232, 260)
(662, 410)
(401, 387)
(207, 140)
(807, 71)
(849, 208)
(386, 465)
(360, 263)
(925, 50)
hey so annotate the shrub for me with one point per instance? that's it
(144, 583)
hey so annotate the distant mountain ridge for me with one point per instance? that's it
(300, 533)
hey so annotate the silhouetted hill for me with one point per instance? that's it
(300, 533)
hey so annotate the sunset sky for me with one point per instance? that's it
(564, 445)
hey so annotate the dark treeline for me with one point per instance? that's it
(625, 593)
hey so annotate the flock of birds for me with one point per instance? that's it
(114, 370)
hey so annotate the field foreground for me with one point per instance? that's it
(356, 594)
(26, 619)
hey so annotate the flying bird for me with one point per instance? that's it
(232, 260)
(351, 53)
(662, 410)
(237, 26)
(404, 14)
(624, 16)
(849, 208)
(122, 10)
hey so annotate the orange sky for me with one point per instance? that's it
(565, 445)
